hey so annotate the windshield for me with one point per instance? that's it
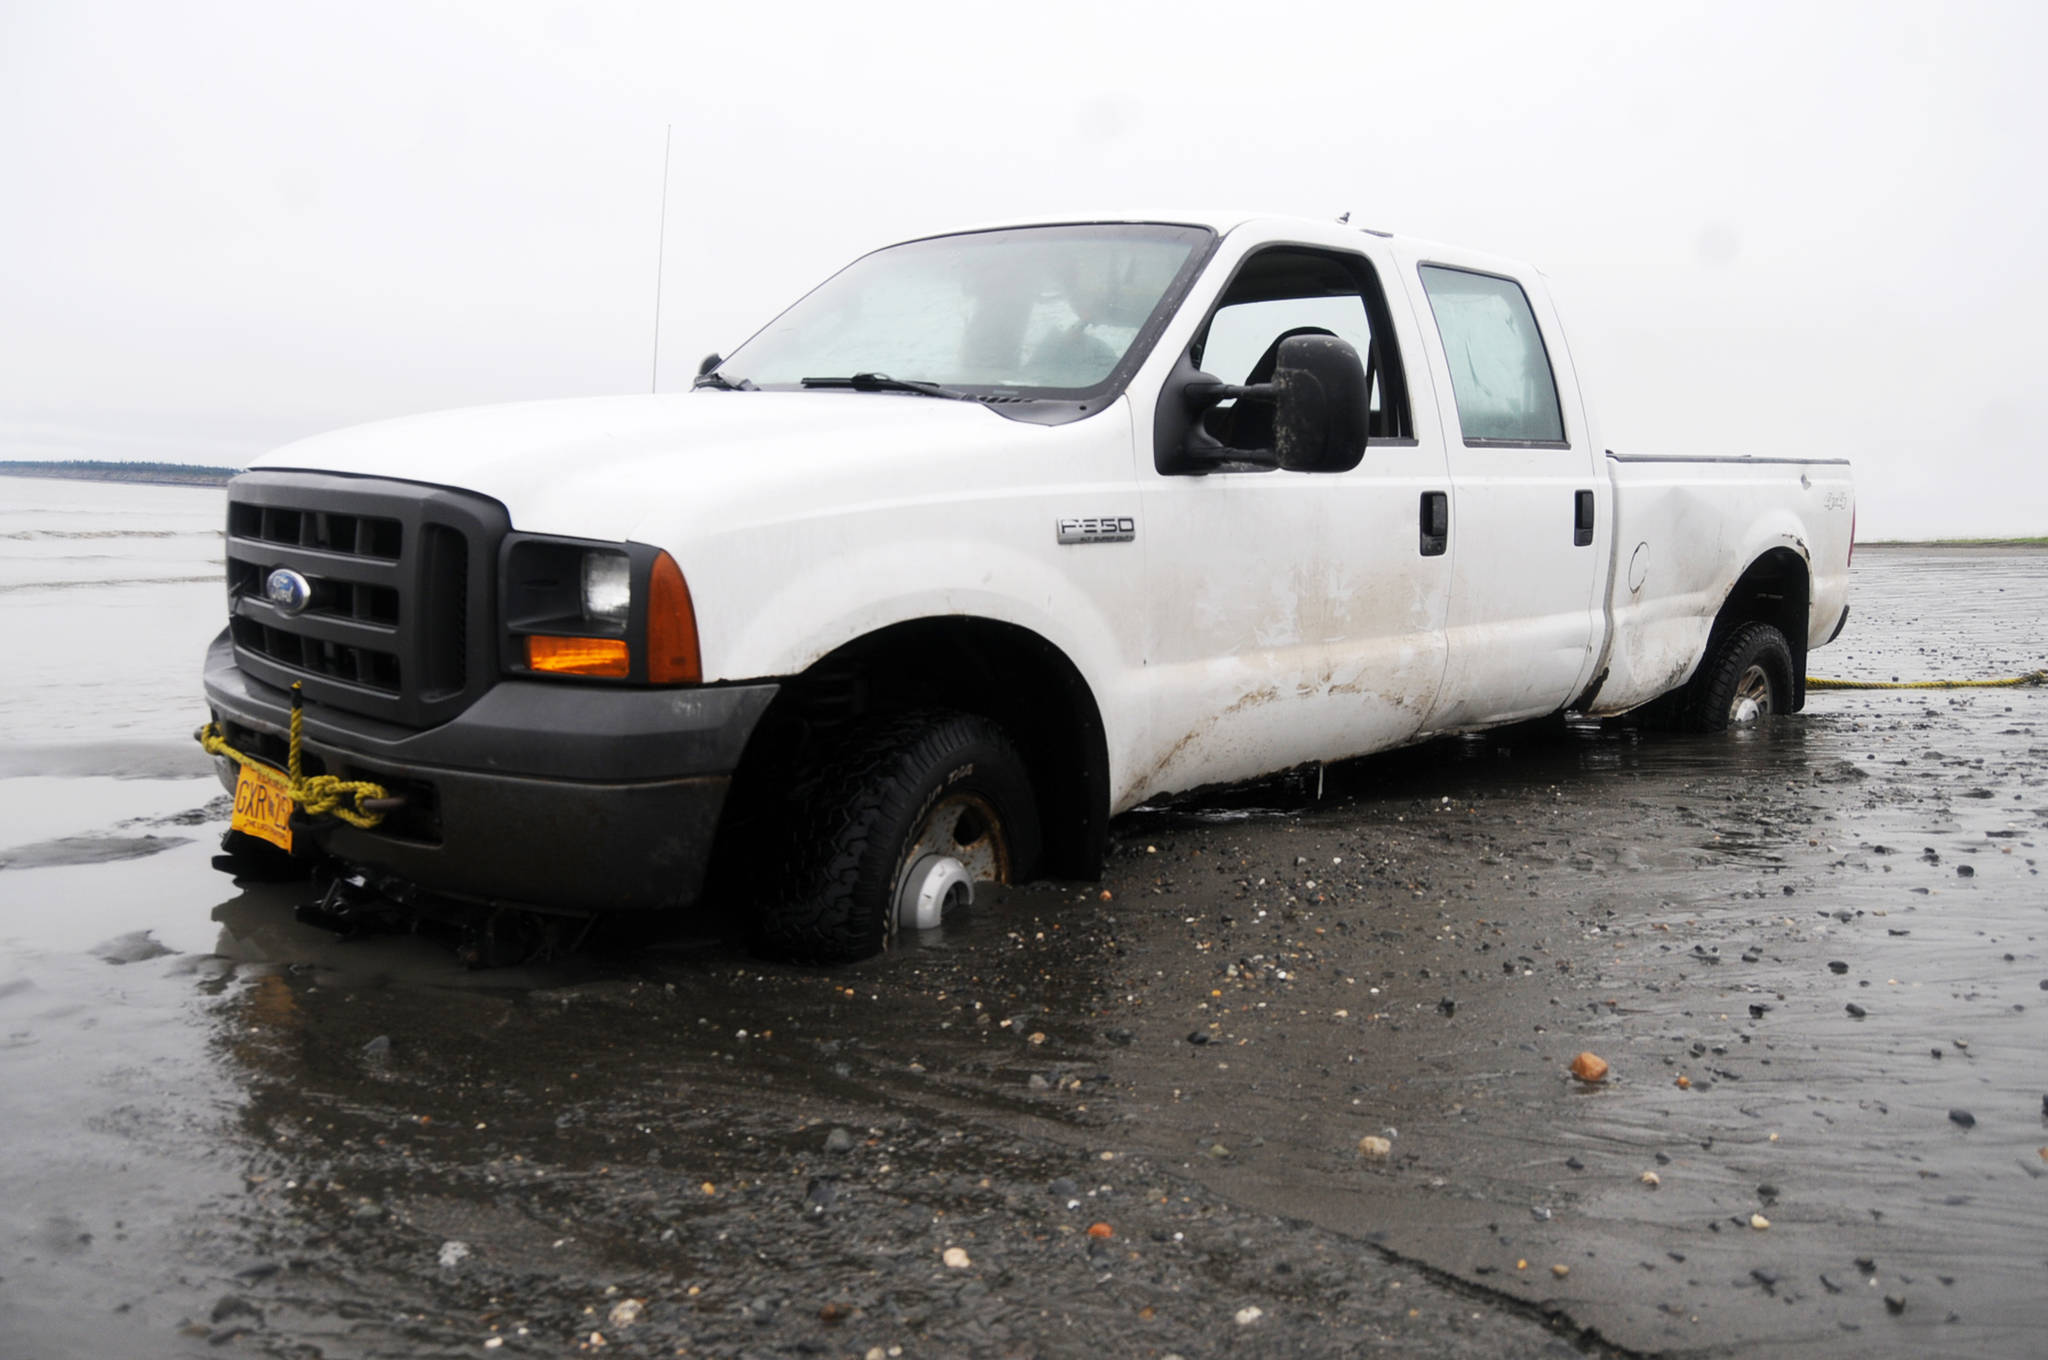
(1036, 311)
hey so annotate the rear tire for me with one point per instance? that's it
(941, 795)
(1745, 678)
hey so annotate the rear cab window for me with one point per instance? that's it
(1500, 370)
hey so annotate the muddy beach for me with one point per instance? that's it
(1292, 1079)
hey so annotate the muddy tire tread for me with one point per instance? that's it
(821, 909)
(1705, 707)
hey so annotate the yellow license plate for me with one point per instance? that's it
(263, 805)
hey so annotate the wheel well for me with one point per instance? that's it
(1007, 674)
(1774, 590)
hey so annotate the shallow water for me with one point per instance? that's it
(207, 1145)
(116, 590)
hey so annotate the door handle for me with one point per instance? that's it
(1582, 519)
(1436, 523)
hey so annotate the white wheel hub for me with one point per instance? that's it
(932, 886)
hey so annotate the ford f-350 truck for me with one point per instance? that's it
(990, 537)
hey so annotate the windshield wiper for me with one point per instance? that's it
(882, 382)
(722, 383)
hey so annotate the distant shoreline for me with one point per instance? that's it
(157, 474)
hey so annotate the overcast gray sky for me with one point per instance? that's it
(1809, 229)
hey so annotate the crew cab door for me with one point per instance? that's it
(1527, 508)
(1293, 616)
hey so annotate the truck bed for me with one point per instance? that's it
(1679, 524)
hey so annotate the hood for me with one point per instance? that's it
(589, 467)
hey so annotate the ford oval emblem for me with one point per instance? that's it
(289, 591)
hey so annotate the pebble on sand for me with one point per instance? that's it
(1375, 1147)
(1651, 1179)
(1963, 1117)
(1589, 1067)
(956, 1258)
(1560, 1271)
(1247, 1316)
(1759, 1222)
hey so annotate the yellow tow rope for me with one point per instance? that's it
(2030, 678)
(347, 799)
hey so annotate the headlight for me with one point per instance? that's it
(607, 587)
(570, 607)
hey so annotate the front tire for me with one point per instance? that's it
(1746, 677)
(915, 805)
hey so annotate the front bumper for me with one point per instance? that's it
(556, 796)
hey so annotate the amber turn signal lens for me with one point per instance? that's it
(672, 657)
(579, 656)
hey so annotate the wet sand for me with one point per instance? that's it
(229, 1131)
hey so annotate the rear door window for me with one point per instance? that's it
(1500, 371)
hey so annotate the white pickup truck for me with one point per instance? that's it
(990, 537)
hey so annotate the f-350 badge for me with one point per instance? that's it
(1098, 529)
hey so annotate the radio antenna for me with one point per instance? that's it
(660, 251)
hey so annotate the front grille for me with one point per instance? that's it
(339, 599)
(400, 625)
(360, 535)
(370, 667)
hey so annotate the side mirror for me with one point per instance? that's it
(1312, 417)
(1321, 405)
(707, 363)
